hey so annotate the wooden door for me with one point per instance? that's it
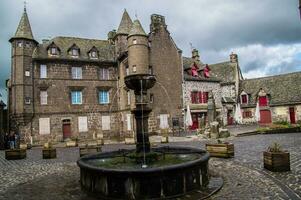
(292, 115)
(66, 130)
(195, 121)
(229, 117)
(265, 117)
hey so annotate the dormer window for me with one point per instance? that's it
(74, 52)
(53, 51)
(93, 54)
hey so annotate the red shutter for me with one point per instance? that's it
(194, 97)
(263, 101)
(201, 97)
(244, 99)
(205, 97)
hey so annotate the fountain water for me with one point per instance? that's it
(145, 172)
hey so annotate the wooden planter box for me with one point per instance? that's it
(49, 153)
(71, 143)
(164, 139)
(276, 161)
(89, 150)
(220, 150)
(15, 154)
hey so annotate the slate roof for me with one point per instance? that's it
(24, 28)
(225, 71)
(105, 50)
(125, 24)
(137, 29)
(282, 89)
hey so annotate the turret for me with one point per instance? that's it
(233, 58)
(120, 37)
(138, 50)
(23, 44)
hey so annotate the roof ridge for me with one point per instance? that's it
(272, 76)
(220, 63)
(81, 38)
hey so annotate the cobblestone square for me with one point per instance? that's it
(244, 176)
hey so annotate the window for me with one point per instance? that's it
(244, 98)
(27, 100)
(27, 44)
(44, 126)
(151, 98)
(104, 73)
(128, 122)
(194, 97)
(43, 71)
(164, 121)
(203, 97)
(82, 124)
(103, 97)
(74, 52)
(27, 73)
(43, 97)
(247, 114)
(134, 41)
(93, 54)
(53, 51)
(76, 97)
(127, 71)
(129, 97)
(106, 123)
(134, 68)
(263, 101)
(76, 72)
(19, 44)
(150, 69)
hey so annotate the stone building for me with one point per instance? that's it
(222, 79)
(69, 87)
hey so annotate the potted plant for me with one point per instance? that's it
(275, 159)
(89, 148)
(48, 151)
(221, 149)
(73, 142)
(15, 154)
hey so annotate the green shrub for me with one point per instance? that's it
(282, 122)
(275, 147)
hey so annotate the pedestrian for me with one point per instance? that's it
(12, 141)
(6, 143)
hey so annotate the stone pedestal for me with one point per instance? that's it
(214, 130)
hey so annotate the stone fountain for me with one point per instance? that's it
(145, 172)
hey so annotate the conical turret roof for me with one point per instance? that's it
(125, 24)
(137, 29)
(24, 28)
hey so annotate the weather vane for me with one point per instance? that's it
(24, 6)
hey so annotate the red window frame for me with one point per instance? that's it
(263, 101)
(244, 98)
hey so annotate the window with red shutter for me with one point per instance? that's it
(200, 97)
(244, 98)
(263, 101)
(205, 97)
(194, 97)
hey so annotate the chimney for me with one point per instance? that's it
(195, 55)
(233, 58)
(111, 36)
(157, 22)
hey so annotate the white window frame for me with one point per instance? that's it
(81, 98)
(104, 73)
(43, 97)
(27, 73)
(75, 52)
(19, 44)
(164, 121)
(134, 41)
(43, 71)
(128, 97)
(127, 71)
(134, 68)
(77, 73)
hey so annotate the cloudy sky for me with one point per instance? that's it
(266, 34)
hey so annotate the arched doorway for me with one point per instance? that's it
(66, 128)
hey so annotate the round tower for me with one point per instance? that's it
(138, 50)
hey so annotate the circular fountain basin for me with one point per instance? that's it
(114, 175)
(140, 82)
